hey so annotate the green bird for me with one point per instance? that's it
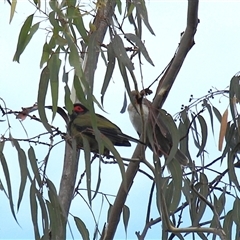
(80, 127)
(139, 112)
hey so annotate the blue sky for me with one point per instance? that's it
(211, 63)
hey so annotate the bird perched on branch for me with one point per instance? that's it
(158, 137)
(80, 126)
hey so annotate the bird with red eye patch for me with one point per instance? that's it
(80, 126)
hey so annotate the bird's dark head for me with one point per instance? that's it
(78, 108)
(136, 96)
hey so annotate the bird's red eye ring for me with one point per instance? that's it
(78, 109)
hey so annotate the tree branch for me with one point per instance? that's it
(186, 43)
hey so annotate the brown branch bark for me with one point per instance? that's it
(186, 43)
(70, 168)
(163, 89)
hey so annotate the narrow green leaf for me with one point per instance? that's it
(9, 188)
(169, 122)
(140, 45)
(231, 173)
(55, 211)
(123, 71)
(207, 105)
(34, 210)
(52, 212)
(33, 162)
(119, 6)
(217, 114)
(126, 216)
(87, 155)
(183, 129)
(79, 90)
(195, 132)
(176, 172)
(142, 12)
(78, 22)
(55, 23)
(13, 7)
(74, 57)
(203, 184)
(187, 190)
(43, 207)
(120, 52)
(22, 159)
(25, 36)
(82, 228)
(234, 90)
(109, 71)
(42, 92)
(236, 211)
(227, 224)
(54, 64)
(45, 54)
(204, 134)
(67, 99)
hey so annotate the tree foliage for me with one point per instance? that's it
(76, 37)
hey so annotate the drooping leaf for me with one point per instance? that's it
(82, 228)
(67, 100)
(33, 162)
(56, 216)
(183, 129)
(45, 54)
(109, 71)
(203, 190)
(120, 52)
(123, 71)
(26, 34)
(204, 134)
(217, 114)
(223, 129)
(23, 170)
(140, 45)
(232, 173)
(234, 95)
(208, 106)
(123, 110)
(54, 64)
(78, 22)
(87, 155)
(74, 59)
(142, 12)
(126, 216)
(176, 172)
(42, 92)
(13, 7)
(8, 181)
(236, 211)
(168, 120)
(34, 210)
(227, 224)
(119, 6)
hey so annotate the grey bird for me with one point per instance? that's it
(140, 110)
